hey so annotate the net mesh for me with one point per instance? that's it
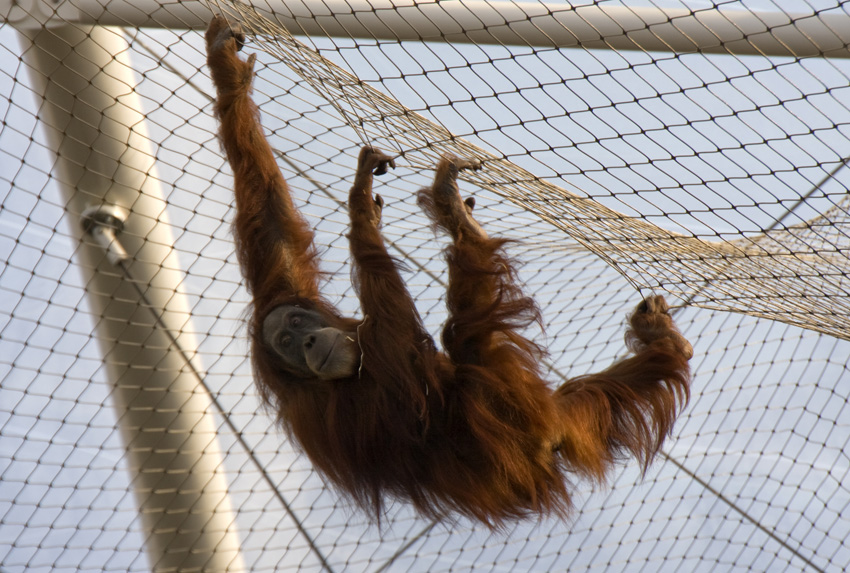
(717, 177)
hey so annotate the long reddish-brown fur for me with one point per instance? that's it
(473, 430)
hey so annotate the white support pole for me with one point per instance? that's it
(542, 24)
(93, 122)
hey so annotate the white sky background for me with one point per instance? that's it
(767, 425)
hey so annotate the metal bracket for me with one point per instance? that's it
(102, 223)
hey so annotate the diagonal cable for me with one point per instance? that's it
(237, 433)
(221, 410)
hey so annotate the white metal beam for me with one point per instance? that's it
(541, 24)
(92, 120)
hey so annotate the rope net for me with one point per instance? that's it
(716, 175)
